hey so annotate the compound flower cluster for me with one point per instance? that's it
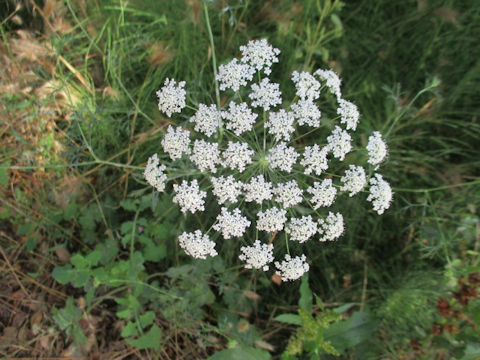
(252, 168)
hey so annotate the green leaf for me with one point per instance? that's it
(63, 274)
(124, 314)
(241, 353)
(130, 329)
(343, 308)
(472, 352)
(305, 302)
(155, 252)
(79, 262)
(149, 340)
(357, 329)
(147, 319)
(71, 211)
(129, 205)
(293, 319)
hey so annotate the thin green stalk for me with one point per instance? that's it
(214, 58)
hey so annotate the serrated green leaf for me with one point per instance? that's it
(79, 261)
(63, 274)
(130, 329)
(124, 314)
(149, 340)
(146, 319)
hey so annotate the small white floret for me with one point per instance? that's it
(205, 155)
(306, 113)
(377, 149)
(197, 245)
(154, 173)
(176, 142)
(349, 114)
(315, 159)
(282, 157)
(237, 156)
(226, 189)
(258, 190)
(257, 256)
(240, 118)
(323, 194)
(308, 88)
(354, 180)
(301, 229)
(271, 219)
(340, 143)
(331, 227)
(292, 268)
(260, 55)
(265, 94)
(189, 197)
(332, 80)
(288, 194)
(233, 75)
(171, 98)
(280, 125)
(207, 119)
(380, 194)
(231, 224)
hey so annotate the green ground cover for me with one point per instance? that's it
(79, 119)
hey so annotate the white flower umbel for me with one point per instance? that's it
(308, 88)
(332, 80)
(292, 268)
(349, 114)
(280, 125)
(265, 94)
(282, 157)
(258, 190)
(240, 118)
(323, 193)
(331, 227)
(306, 113)
(189, 197)
(380, 194)
(207, 119)
(340, 143)
(231, 224)
(354, 180)
(271, 219)
(315, 159)
(226, 189)
(377, 149)
(288, 194)
(171, 98)
(257, 256)
(301, 229)
(237, 156)
(260, 55)
(197, 245)
(176, 141)
(205, 155)
(233, 75)
(154, 173)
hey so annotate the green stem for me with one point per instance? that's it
(214, 58)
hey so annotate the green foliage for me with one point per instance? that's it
(67, 320)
